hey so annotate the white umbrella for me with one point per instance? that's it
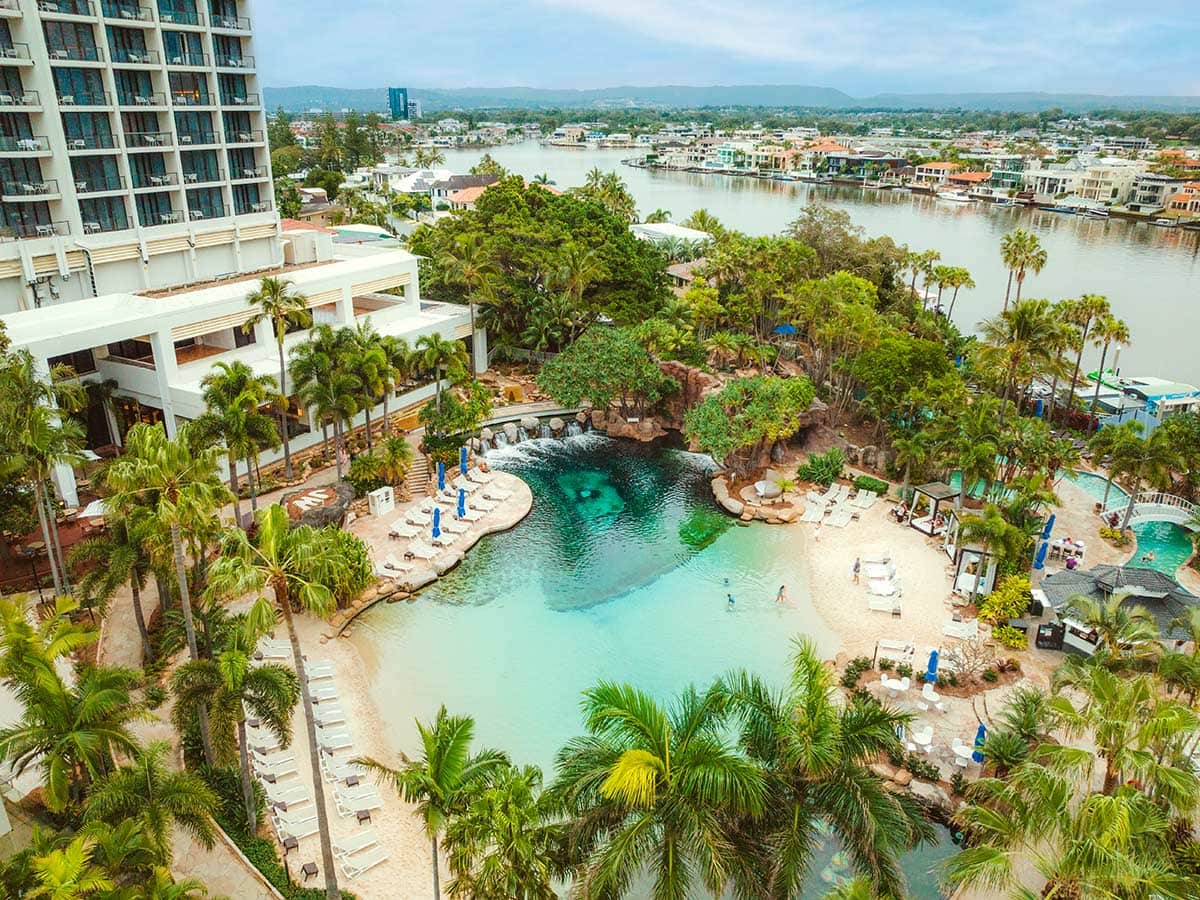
(97, 509)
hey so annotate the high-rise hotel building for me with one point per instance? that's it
(132, 148)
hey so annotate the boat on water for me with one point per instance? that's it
(954, 197)
(1164, 223)
(1096, 213)
(1065, 210)
(1005, 202)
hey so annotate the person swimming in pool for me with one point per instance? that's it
(1148, 556)
(729, 601)
(781, 595)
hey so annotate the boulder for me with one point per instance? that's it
(531, 425)
(733, 506)
(930, 794)
(599, 419)
(694, 385)
(585, 405)
(486, 434)
(557, 425)
(788, 515)
(853, 454)
(581, 417)
(332, 513)
(886, 771)
(510, 432)
(902, 777)
(870, 456)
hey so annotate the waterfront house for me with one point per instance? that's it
(968, 181)
(440, 191)
(865, 162)
(935, 173)
(1187, 201)
(1152, 191)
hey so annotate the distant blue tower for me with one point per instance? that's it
(398, 103)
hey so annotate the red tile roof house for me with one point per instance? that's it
(968, 179)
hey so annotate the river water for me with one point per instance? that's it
(1150, 275)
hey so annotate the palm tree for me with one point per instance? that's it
(1127, 632)
(1000, 541)
(912, 449)
(1152, 460)
(657, 791)
(395, 459)
(112, 559)
(446, 779)
(1121, 444)
(959, 278)
(1082, 313)
(232, 688)
(1109, 330)
(1021, 341)
(442, 356)
(370, 362)
(177, 487)
(68, 873)
(469, 263)
(578, 268)
(324, 384)
(285, 309)
(300, 565)
(233, 397)
(1021, 252)
(703, 220)
(659, 215)
(543, 179)
(815, 753)
(399, 368)
(158, 799)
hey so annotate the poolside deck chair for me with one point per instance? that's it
(327, 714)
(830, 493)
(840, 517)
(963, 631)
(272, 649)
(876, 555)
(287, 797)
(463, 484)
(418, 517)
(813, 512)
(479, 476)
(884, 604)
(868, 501)
(447, 500)
(269, 759)
(297, 825)
(390, 562)
(883, 587)
(455, 527)
(334, 771)
(470, 515)
(496, 494)
(336, 740)
(369, 860)
(421, 550)
(843, 493)
(319, 669)
(322, 693)
(443, 540)
(897, 651)
(355, 843)
(382, 571)
(277, 770)
(400, 529)
(348, 802)
(879, 570)
(484, 505)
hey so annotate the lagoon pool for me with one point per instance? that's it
(620, 571)
(1170, 543)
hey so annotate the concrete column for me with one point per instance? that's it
(165, 371)
(479, 344)
(345, 307)
(63, 475)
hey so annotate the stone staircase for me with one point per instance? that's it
(417, 479)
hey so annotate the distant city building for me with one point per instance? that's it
(398, 103)
(414, 109)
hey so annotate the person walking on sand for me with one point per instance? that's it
(817, 533)
(781, 595)
(729, 602)
(857, 568)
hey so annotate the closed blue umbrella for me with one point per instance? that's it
(437, 522)
(462, 460)
(980, 737)
(441, 476)
(785, 328)
(931, 672)
(1038, 412)
(1039, 562)
(462, 503)
(1049, 527)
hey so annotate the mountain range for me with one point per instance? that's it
(310, 97)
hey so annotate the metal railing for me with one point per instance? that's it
(134, 57)
(231, 23)
(260, 206)
(91, 142)
(14, 51)
(76, 54)
(36, 144)
(249, 173)
(192, 138)
(99, 185)
(229, 61)
(200, 177)
(85, 98)
(190, 98)
(1153, 506)
(30, 190)
(94, 227)
(154, 180)
(180, 17)
(215, 213)
(142, 139)
(130, 12)
(241, 100)
(243, 137)
(187, 59)
(67, 7)
(137, 100)
(19, 99)
(40, 229)
(174, 217)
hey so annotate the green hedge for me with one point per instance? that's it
(869, 483)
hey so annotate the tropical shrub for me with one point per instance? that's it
(156, 695)
(1008, 600)
(870, 483)
(904, 670)
(958, 783)
(1012, 638)
(854, 671)
(742, 422)
(358, 571)
(823, 468)
(990, 675)
(886, 665)
(607, 366)
(1115, 536)
(365, 474)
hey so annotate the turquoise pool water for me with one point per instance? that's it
(620, 571)
(1171, 544)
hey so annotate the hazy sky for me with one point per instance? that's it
(860, 46)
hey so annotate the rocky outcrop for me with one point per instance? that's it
(332, 513)
(694, 385)
(530, 424)
(557, 425)
(731, 505)
(646, 428)
(510, 432)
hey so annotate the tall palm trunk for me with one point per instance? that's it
(1054, 384)
(1079, 358)
(314, 751)
(244, 765)
(253, 488)
(1099, 381)
(1008, 289)
(283, 429)
(1020, 282)
(367, 422)
(38, 490)
(387, 425)
(1137, 483)
(338, 444)
(189, 627)
(437, 887)
(140, 617)
(233, 487)
(950, 311)
(55, 544)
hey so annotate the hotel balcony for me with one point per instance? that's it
(195, 179)
(147, 140)
(76, 54)
(87, 142)
(251, 100)
(174, 217)
(123, 56)
(188, 60)
(190, 98)
(127, 13)
(10, 9)
(258, 173)
(244, 137)
(40, 230)
(84, 100)
(15, 55)
(260, 206)
(30, 191)
(154, 182)
(229, 61)
(26, 100)
(68, 8)
(142, 101)
(230, 23)
(198, 215)
(91, 186)
(25, 146)
(180, 17)
(198, 138)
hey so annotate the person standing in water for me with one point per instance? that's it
(857, 568)
(781, 595)
(729, 601)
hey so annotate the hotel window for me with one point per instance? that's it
(24, 218)
(15, 125)
(139, 123)
(180, 11)
(224, 9)
(81, 87)
(183, 46)
(188, 88)
(206, 202)
(20, 171)
(146, 166)
(94, 129)
(202, 164)
(194, 128)
(96, 173)
(225, 47)
(245, 198)
(236, 123)
(232, 87)
(154, 209)
(6, 40)
(131, 85)
(104, 214)
(70, 40)
(242, 163)
(125, 41)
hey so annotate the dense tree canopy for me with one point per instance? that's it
(747, 417)
(606, 366)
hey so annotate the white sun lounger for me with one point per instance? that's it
(321, 669)
(813, 513)
(400, 529)
(883, 587)
(267, 760)
(879, 570)
(496, 494)
(271, 649)
(327, 714)
(355, 843)
(369, 860)
(471, 515)
(884, 604)
(897, 651)
(479, 476)
(443, 540)
(421, 550)
(382, 571)
(963, 631)
(464, 485)
(484, 505)
(287, 797)
(416, 517)
(455, 527)
(390, 562)
(347, 803)
(323, 692)
(336, 740)
(334, 771)
(876, 555)
(830, 493)
(278, 770)
(840, 517)
(865, 499)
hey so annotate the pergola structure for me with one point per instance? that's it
(935, 493)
